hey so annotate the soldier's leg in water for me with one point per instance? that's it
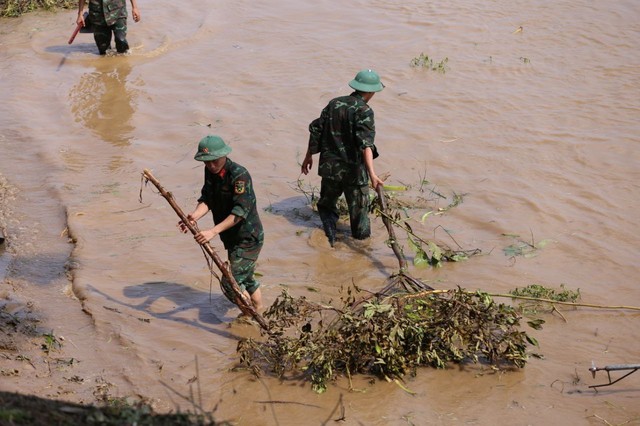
(330, 191)
(120, 35)
(242, 270)
(358, 202)
(256, 299)
(102, 36)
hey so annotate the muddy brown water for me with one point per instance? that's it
(535, 121)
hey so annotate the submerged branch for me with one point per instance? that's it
(392, 236)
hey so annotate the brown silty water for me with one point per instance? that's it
(534, 121)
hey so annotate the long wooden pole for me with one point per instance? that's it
(535, 299)
(392, 235)
(244, 303)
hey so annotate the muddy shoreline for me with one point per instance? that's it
(52, 357)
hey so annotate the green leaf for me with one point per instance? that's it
(532, 340)
(421, 260)
(413, 245)
(436, 252)
(536, 324)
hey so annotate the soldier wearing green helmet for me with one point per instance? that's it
(344, 136)
(228, 193)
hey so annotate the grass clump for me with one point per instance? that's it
(14, 8)
(424, 61)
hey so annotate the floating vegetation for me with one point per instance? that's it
(406, 325)
(440, 253)
(427, 252)
(523, 248)
(424, 61)
(541, 292)
(537, 298)
(387, 335)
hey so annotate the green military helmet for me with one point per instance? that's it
(367, 81)
(211, 148)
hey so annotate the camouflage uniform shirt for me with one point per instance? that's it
(231, 192)
(345, 127)
(107, 12)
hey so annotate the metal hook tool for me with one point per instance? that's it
(609, 369)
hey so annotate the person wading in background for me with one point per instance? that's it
(108, 17)
(228, 193)
(344, 136)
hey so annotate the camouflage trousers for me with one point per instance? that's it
(242, 270)
(102, 36)
(357, 202)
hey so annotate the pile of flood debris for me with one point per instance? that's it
(393, 332)
(386, 335)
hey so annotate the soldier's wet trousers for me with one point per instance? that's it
(357, 198)
(243, 270)
(102, 35)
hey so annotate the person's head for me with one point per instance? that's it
(213, 152)
(367, 82)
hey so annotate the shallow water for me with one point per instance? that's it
(537, 128)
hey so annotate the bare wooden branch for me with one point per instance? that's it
(392, 235)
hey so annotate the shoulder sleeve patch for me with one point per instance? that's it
(239, 187)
